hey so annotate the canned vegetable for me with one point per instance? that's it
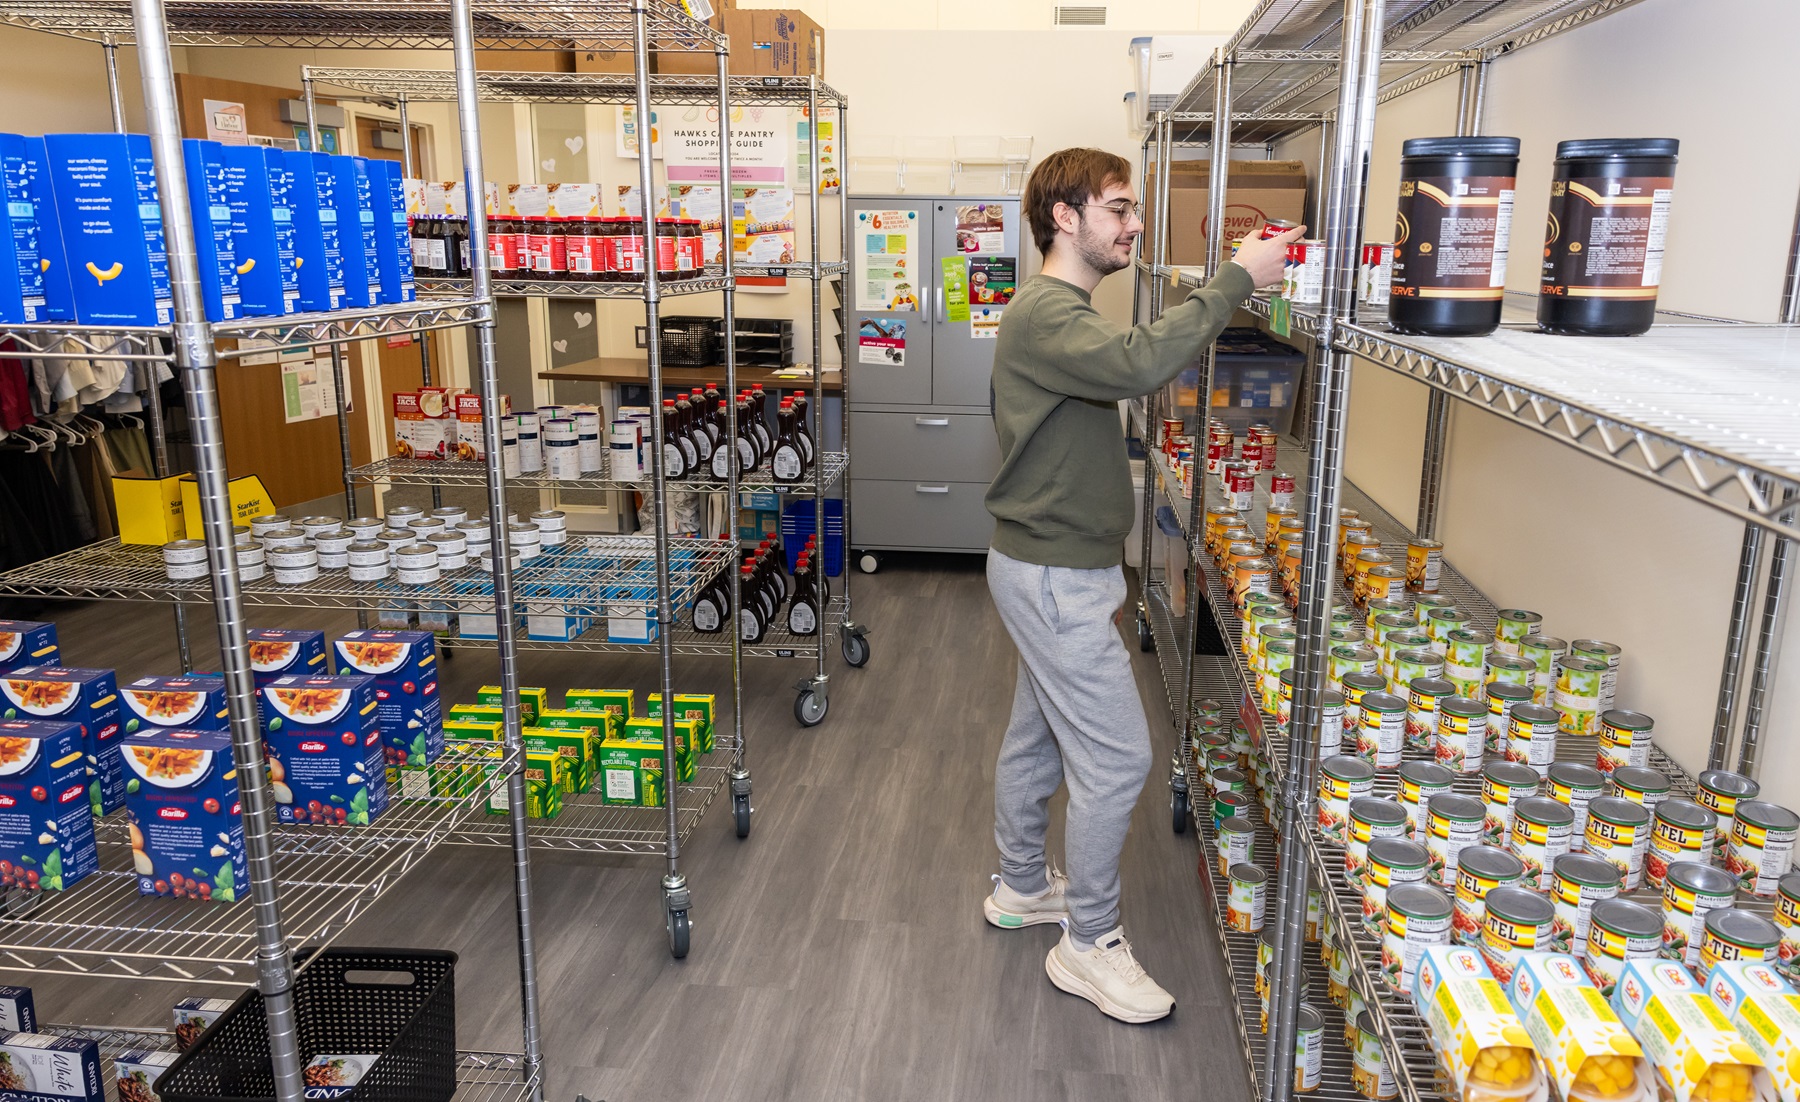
(1531, 736)
(1736, 934)
(1461, 734)
(1577, 695)
(1383, 735)
(1245, 902)
(1504, 784)
(1518, 921)
(1465, 661)
(1619, 930)
(1341, 779)
(1545, 653)
(1721, 790)
(1624, 740)
(1576, 785)
(1762, 843)
(1480, 870)
(1236, 843)
(1540, 834)
(1309, 1049)
(1619, 831)
(1370, 818)
(1419, 782)
(1418, 916)
(1511, 627)
(1787, 920)
(1452, 822)
(1369, 1071)
(1502, 698)
(1580, 881)
(1691, 891)
(1422, 696)
(1392, 861)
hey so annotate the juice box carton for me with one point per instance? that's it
(644, 729)
(196, 703)
(258, 192)
(695, 706)
(325, 753)
(573, 747)
(1766, 1011)
(405, 668)
(53, 261)
(393, 238)
(135, 1073)
(532, 702)
(105, 188)
(46, 824)
(188, 838)
(27, 643)
(17, 1010)
(318, 244)
(631, 773)
(212, 227)
(87, 698)
(1696, 1051)
(1479, 1040)
(546, 779)
(616, 701)
(353, 201)
(21, 273)
(471, 442)
(40, 1067)
(596, 727)
(1585, 1049)
(194, 1017)
(422, 427)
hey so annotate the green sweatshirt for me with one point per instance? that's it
(1063, 494)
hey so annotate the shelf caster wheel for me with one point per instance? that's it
(1146, 637)
(856, 650)
(740, 806)
(1178, 810)
(679, 931)
(868, 562)
(809, 708)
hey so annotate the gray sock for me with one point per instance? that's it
(1079, 945)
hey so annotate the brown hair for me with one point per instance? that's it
(1072, 176)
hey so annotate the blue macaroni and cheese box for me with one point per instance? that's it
(105, 190)
(21, 276)
(59, 288)
(393, 237)
(318, 244)
(195, 702)
(324, 747)
(40, 1067)
(404, 667)
(211, 212)
(188, 833)
(27, 643)
(87, 698)
(353, 206)
(257, 191)
(46, 823)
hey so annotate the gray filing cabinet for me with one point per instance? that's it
(922, 442)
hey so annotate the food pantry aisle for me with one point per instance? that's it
(839, 952)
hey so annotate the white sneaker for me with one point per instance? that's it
(1009, 910)
(1109, 977)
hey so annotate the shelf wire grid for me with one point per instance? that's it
(713, 279)
(431, 472)
(683, 640)
(617, 88)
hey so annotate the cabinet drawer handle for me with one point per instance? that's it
(931, 489)
(933, 422)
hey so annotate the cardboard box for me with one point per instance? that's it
(617, 702)
(149, 509)
(286, 652)
(1257, 192)
(21, 275)
(1766, 1011)
(189, 839)
(46, 822)
(112, 228)
(17, 1010)
(1478, 1038)
(56, 1068)
(197, 703)
(249, 498)
(423, 428)
(258, 189)
(698, 707)
(211, 212)
(393, 235)
(90, 700)
(590, 726)
(404, 667)
(1687, 1037)
(352, 199)
(318, 246)
(608, 61)
(532, 702)
(324, 747)
(644, 729)
(546, 779)
(471, 444)
(631, 773)
(53, 262)
(1583, 1045)
(135, 1073)
(28, 643)
(782, 42)
(194, 1016)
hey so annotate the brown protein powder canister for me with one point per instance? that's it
(1451, 234)
(1603, 241)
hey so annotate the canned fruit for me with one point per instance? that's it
(1766, 1012)
(1587, 1052)
(1480, 1044)
(1695, 1050)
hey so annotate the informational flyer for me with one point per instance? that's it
(881, 341)
(762, 224)
(830, 179)
(701, 202)
(956, 289)
(308, 391)
(884, 251)
(984, 322)
(762, 148)
(225, 122)
(628, 133)
(992, 280)
(981, 228)
(631, 204)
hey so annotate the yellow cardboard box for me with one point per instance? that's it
(149, 509)
(249, 499)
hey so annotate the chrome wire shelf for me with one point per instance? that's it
(713, 280)
(426, 472)
(618, 88)
(683, 640)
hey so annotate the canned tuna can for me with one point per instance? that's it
(1608, 654)
(1681, 830)
(449, 544)
(524, 539)
(1370, 818)
(476, 533)
(486, 561)
(1625, 739)
(450, 515)
(1517, 922)
(269, 522)
(1576, 785)
(1379, 581)
(1396, 643)
(1577, 694)
(1619, 930)
(1424, 561)
(1227, 804)
(313, 526)
(1420, 781)
(1355, 686)
(294, 558)
(1392, 861)
(394, 539)
(1480, 870)
(1451, 823)
(184, 560)
(1787, 920)
(1422, 697)
(1619, 831)
(1509, 669)
(1762, 844)
(1691, 891)
(1639, 785)
(1350, 658)
(552, 526)
(1309, 1050)
(1502, 699)
(1461, 734)
(1341, 779)
(364, 528)
(1720, 790)
(241, 536)
(1236, 844)
(1578, 882)
(283, 539)
(402, 515)
(297, 575)
(424, 528)
(1540, 834)
(1512, 626)
(1441, 623)
(1735, 934)
(1244, 904)
(1418, 916)
(252, 572)
(252, 555)
(1531, 736)
(1382, 738)
(1503, 785)
(1368, 1070)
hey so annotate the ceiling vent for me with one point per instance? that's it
(1080, 15)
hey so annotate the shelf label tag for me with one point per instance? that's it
(1281, 316)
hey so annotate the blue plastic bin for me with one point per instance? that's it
(797, 524)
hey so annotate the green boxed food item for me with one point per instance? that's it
(616, 701)
(698, 707)
(575, 747)
(546, 776)
(644, 729)
(600, 725)
(631, 773)
(532, 702)
(479, 713)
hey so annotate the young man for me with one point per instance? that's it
(1062, 505)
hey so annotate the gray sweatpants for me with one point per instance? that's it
(1077, 717)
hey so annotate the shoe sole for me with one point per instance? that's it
(1007, 920)
(1068, 981)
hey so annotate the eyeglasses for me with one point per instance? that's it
(1121, 209)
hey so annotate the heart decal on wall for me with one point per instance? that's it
(548, 166)
(583, 319)
(574, 144)
(560, 346)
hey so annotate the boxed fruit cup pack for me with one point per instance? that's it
(194, 1016)
(1696, 1051)
(187, 836)
(283, 652)
(613, 701)
(324, 747)
(1766, 1012)
(588, 726)
(1587, 1052)
(135, 1073)
(695, 706)
(404, 666)
(532, 702)
(631, 773)
(87, 698)
(546, 779)
(27, 643)
(188, 703)
(39, 1067)
(1481, 1046)
(17, 1011)
(644, 729)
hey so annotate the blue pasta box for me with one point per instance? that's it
(59, 291)
(212, 227)
(21, 276)
(318, 246)
(112, 229)
(286, 652)
(325, 753)
(27, 643)
(17, 1010)
(46, 823)
(257, 186)
(353, 201)
(404, 667)
(393, 237)
(41, 1067)
(87, 698)
(196, 702)
(187, 837)
(135, 1073)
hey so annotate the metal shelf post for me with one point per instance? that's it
(821, 682)
(406, 168)
(1152, 426)
(740, 772)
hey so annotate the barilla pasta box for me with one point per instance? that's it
(631, 773)
(318, 244)
(194, 1017)
(196, 703)
(695, 706)
(1696, 1051)
(258, 189)
(39, 1067)
(325, 754)
(353, 201)
(1766, 1012)
(212, 227)
(393, 237)
(188, 834)
(27, 643)
(53, 261)
(616, 701)
(532, 702)
(46, 822)
(87, 698)
(644, 729)
(106, 200)
(286, 652)
(135, 1073)
(17, 1010)
(21, 273)
(1587, 1052)
(1479, 1040)
(405, 668)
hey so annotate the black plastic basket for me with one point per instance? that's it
(690, 341)
(399, 1004)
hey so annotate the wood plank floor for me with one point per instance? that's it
(839, 952)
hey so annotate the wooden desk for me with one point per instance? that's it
(618, 369)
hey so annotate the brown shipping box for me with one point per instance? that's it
(1257, 192)
(765, 42)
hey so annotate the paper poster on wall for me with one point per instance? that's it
(328, 142)
(956, 289)
(632, 206)
(762, 224)
(225, 122)
(628, 132)
(829, 178)
(308, 391)
(992, 280)
(981, 228)
(881, 341)
(883, 251)
(701, 203)
(762, 152)
(984, 322)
